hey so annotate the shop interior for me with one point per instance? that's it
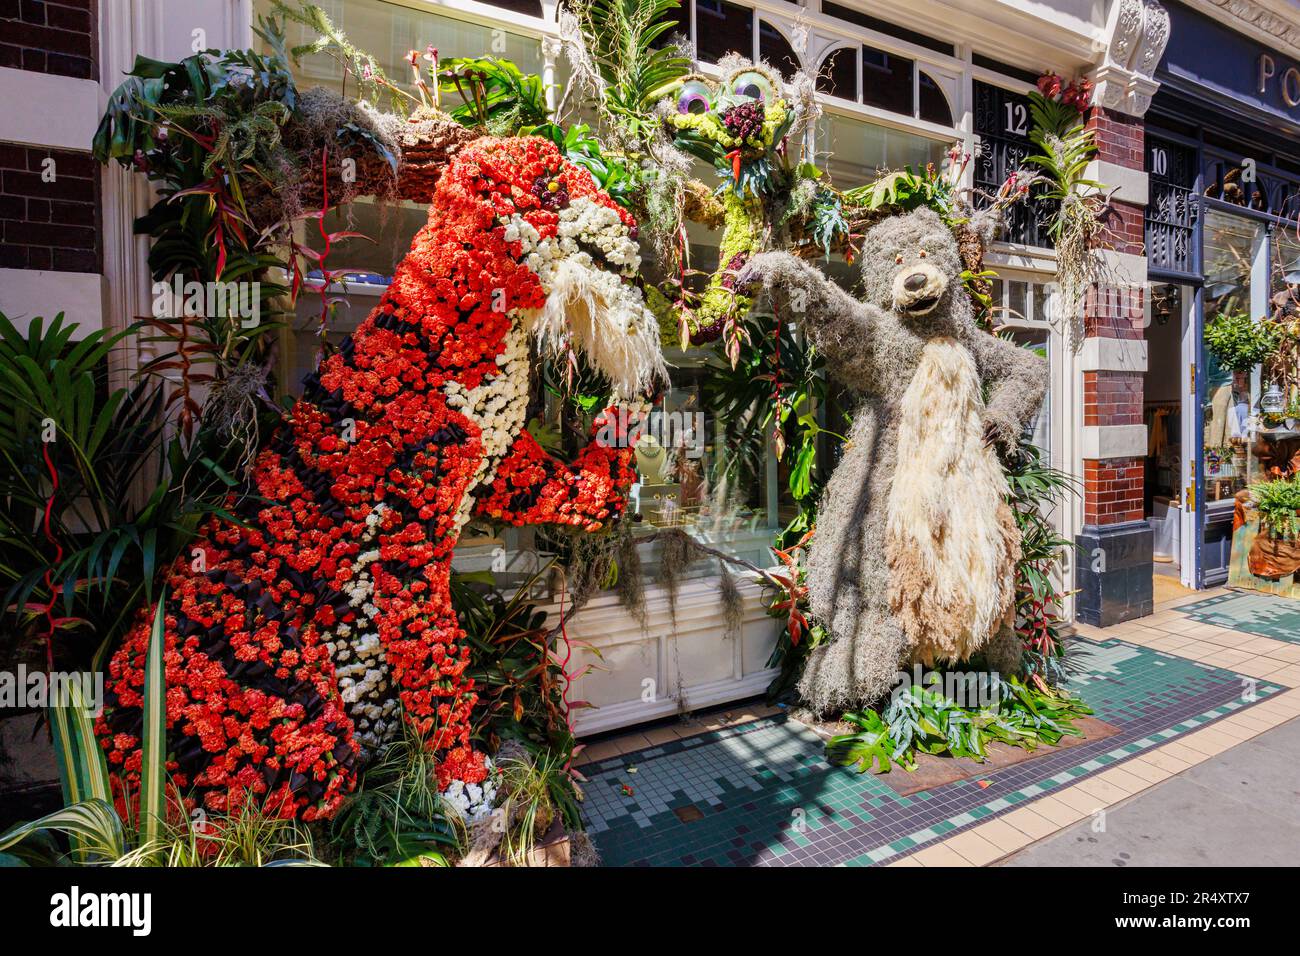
(1163, 414)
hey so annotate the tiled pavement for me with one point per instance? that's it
(753, 788)
(1261, 614)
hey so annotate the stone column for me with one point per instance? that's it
(1113, 567)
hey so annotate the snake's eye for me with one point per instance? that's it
(922, 253)
(752, 84)
(898, 259)
(694, 97)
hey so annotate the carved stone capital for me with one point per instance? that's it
(1136, 35)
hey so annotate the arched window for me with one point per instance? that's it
(722, 28)
(934, 104)
(776, 50)
(529, 8)
(887, 80)
(838, 74)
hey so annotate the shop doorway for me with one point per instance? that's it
(1168, 401)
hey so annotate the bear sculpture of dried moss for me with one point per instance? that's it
(914, 556)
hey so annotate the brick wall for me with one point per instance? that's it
(49, 225)
(49, 222)
(1113, 312)
(1114, 491)
(50, 36)
(1112, 398)
(1126, 228)
(1119, 138)
(1113, 488)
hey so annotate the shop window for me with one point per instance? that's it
(838, 75)
(934, 106)
(776, 50)
(1172, 208)
(1233, 247)
(388, 32)
(1282, 380)
(1223, 181)
(1002, 124)
(857, 152)
(722, 28)
(887, 81)
(1021, 309)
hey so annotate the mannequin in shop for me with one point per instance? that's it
(651, 460)
(1229, 420)
(658, 492)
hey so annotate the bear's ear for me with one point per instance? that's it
(985, 223)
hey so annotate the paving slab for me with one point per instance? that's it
(1239, 808)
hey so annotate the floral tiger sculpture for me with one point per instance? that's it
(295, 641)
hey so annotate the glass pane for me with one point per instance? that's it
(776, 50)
(1162, 397)
(934, 104)
(1285, 305)
(1016, 306)
(857, 152)
(1231, 245)
(1016, 303)
(1041, 303)
(681, 16)
(886, 81)
(389, 31)
(532, 8)
(722, 28)
(1279, 451)
(838, 75)
(1038, 430)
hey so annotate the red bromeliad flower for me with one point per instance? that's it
(357, 504)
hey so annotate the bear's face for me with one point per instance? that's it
(911, 266)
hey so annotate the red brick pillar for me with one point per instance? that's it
(49, 186)
(1114, 565)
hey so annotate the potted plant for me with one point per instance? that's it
(1278, 503)
(1238, 341)
(1276, 550)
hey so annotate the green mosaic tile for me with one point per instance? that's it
(1262, 614)
(752, 782)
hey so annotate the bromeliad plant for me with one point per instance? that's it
(79, 543)
(233, 150)
(921, 720)
(624, 59)
(1035, 489)
(1065, 147)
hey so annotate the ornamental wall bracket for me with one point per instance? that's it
(1136, 34)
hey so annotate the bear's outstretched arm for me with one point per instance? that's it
(533, 487)
(1016, 380)
(794, 285)
(841, 326)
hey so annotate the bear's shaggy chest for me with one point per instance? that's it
(951, 542)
